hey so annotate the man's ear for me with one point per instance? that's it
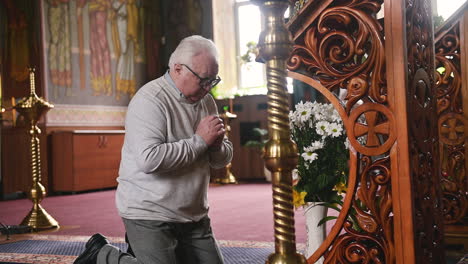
(177, 68)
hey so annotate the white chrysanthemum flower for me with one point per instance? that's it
(300, 106)
(334, 130)
(311, 124)
(292, 120)
(316, 145)
(318, 111)
(318, 116)
(322, 127)
(304, 115)
(308, 105)
(295, 175)
(335, 117)
(347, 143)
(309, 155)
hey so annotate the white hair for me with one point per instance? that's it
(190, 47)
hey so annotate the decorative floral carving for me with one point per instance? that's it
(448, 79)
(453, 185)
(423, 136)
(374, 243)
(344, 49)
(451, 123)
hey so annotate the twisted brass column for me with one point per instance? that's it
(280, 152)
(32, 108)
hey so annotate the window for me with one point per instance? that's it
(237, 26)
(248, 20)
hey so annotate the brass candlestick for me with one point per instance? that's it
(280, 152)
(32, 108)
(228, 177)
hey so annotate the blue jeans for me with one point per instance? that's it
(156, 242)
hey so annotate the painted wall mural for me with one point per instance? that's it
(94, 56)
(19, 48)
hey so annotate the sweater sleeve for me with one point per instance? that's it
(222, 156)
(146, 132)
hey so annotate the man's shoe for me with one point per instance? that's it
(92, 247)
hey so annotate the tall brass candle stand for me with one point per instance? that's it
(32, 108)
(228, 177)
(280, 152)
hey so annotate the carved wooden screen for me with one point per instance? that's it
(387, 68)
(423, 134)
(452, 103)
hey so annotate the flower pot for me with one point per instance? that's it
(314, 212)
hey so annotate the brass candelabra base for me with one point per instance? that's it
(38, 218)
(228, 176)
(277, 258)
(228, 179)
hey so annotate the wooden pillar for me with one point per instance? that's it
(401, 185)
(410, 75)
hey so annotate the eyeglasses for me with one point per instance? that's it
(204, 82)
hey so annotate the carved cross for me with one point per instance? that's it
(372, 128)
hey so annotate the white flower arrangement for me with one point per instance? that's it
(321, 139)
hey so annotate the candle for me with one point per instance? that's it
(1, 91)
(31, 79)
(13, 111)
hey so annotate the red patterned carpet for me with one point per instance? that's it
(46, 249)
(242, 219)
(238, 212)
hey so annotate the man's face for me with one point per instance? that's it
(196, 80)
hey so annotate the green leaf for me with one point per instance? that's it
(326, 219)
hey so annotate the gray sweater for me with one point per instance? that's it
(165, 168)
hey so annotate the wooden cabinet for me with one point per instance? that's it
(85, 160)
